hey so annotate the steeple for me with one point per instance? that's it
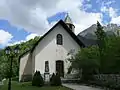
(69, 22)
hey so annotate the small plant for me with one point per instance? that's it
(34, 79)
(52, 79)
(57, 80)
(37, 79)
(40, 79)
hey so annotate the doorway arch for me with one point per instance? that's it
(60, 67)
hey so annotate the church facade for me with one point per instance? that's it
(50, 53)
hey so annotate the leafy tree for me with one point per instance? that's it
(112, 55)
(4, 61)
(101, 42)
(86, 59)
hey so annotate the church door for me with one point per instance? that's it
(60, 68)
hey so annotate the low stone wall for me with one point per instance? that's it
(108, 77)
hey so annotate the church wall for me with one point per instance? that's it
(33, 62)
(25, 71)
(48, 50)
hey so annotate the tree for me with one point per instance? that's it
(101, 42)
(86, 59)
(112, 55)
(4, 62)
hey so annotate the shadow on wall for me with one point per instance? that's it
(27, 73)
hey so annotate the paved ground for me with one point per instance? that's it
(80, 87)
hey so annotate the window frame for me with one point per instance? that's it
(59, 39)
(46, 66)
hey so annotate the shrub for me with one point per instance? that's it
(37, 79)
(40, 79)
(34, 79)
(15, 78)
(52, 79)
(57, 80)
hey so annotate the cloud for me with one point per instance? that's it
(17, 42)
(115, 20)
(112, 12)
(108, 3)
(83, 20)
(104, 9)
(28, 37)
(87, 6)
(31, 36)
(5, 37)
(32, 14)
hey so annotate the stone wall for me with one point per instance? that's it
(108, 77)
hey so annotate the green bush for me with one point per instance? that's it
(15, 78)
(52, 79)
(55, 80)
(40, 79)
(37, 79)
(34, 79)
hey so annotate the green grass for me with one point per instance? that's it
(27, 86)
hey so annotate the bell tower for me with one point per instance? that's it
(69, 23)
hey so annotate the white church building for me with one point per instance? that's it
(49, 55)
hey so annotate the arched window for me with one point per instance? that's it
(59, 39)
(46, 66)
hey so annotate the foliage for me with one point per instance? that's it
(102, 58)
(55, 80)
(52, 79)
(100, 32)
(15, 78)
(86, 58)
(37, 79)
(101, 36)
(4, 60)
(112, 55)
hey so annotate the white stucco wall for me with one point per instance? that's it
(48, 50)
(25, 66)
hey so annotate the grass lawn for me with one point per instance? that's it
(27, 86)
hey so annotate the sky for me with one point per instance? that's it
(22, 20)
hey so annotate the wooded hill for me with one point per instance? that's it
(4, 62)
